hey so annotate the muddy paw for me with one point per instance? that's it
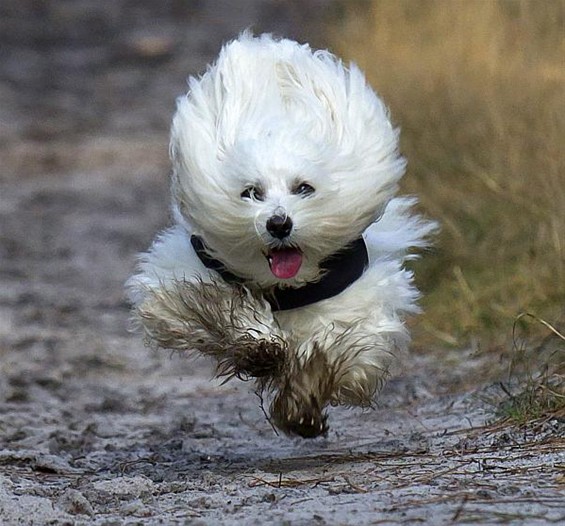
(264, 358)
(308, 425)
(251, 358)
(296, 417)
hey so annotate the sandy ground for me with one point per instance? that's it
(96, 428)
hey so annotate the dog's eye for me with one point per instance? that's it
(303, 189)
(252, 192)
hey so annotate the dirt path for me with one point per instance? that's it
(95, 428)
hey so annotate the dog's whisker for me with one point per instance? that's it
(258, 230)
(245, 241)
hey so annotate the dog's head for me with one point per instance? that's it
(282, 156)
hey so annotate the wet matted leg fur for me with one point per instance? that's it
(237, 329)
(218, 320)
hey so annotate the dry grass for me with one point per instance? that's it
(535, 391)
(478, 90)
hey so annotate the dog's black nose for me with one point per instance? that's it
(279, 226)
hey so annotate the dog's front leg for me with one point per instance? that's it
(219, 320)
(302, 392)
(337, 366)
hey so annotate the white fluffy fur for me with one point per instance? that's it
(273, 113)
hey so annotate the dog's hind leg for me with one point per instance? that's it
(219, 320)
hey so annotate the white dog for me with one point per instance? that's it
(285, 262)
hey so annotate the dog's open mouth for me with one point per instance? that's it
(284, 262)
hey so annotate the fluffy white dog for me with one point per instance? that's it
(285, 262)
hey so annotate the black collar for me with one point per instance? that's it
(339, 271)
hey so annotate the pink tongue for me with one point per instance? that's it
(285, 263)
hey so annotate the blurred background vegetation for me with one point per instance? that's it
(478, 89)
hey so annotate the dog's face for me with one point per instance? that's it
(279, 201)
(276, 178)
